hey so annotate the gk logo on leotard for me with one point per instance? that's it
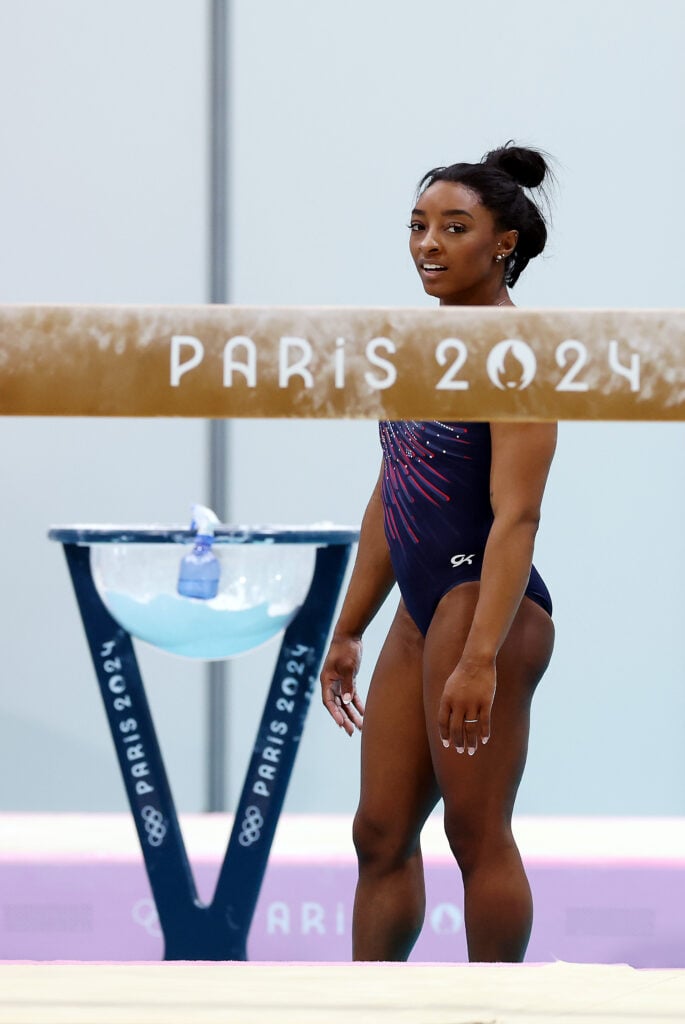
(458, 560)
(511, 364)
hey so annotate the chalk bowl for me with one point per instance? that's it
(261, 588)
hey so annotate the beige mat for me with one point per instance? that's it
(359, 994)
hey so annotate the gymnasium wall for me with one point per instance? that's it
(336, 112)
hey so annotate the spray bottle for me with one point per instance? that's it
(199, 570)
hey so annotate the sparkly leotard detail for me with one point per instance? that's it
(436, 500)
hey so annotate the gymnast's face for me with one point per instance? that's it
(454, 242)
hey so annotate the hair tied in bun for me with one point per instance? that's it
(526, 166)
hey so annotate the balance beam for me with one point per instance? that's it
(463, 363)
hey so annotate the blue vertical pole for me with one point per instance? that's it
(217, 672)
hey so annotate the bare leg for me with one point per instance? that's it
(479, 791)
(398, 792)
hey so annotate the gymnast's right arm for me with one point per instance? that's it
(370, 583)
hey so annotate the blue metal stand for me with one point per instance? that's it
(191, 929)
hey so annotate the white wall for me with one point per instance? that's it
(337, 110)
(102, 199)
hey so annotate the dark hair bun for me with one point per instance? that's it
(527, 167)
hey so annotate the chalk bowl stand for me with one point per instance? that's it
(273, 578)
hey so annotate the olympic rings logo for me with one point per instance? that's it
(155, 826)
(251, 828)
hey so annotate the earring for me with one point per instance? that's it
(499, 257)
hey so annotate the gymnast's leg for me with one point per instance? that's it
(479, 790)
(398, 792)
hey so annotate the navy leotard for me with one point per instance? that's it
(436, 501)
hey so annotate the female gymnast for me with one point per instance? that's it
(452, 520)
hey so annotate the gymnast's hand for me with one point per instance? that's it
(338, 688)
(465, 706)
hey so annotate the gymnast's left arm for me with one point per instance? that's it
(521, 457)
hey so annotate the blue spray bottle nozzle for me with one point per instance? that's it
(203, 520)
(200, 570)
